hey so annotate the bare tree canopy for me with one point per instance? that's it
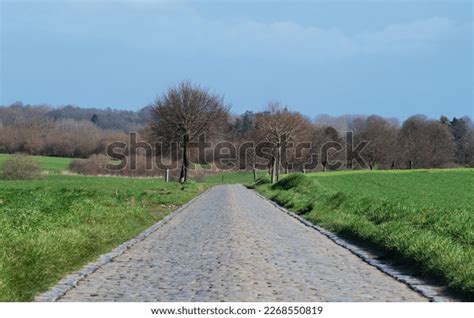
(425, 143)
(322, 135)
(382, 136)
(278, 126)
(185, 112)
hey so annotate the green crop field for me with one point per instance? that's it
(424, 217)
(53, 164)
(55, 225)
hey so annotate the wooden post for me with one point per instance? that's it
(254, 174)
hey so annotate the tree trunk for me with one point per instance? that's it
(393, 165)
(410, 164)
(254, 174)
(185, 164)
(274, 171)
(278, 164)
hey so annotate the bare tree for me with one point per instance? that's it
(382, 136)
(278, 126)
(324, 135)
(183, 114)
(300, 156)
(424, 143)
(442, 147)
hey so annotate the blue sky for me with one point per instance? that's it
(392, 58)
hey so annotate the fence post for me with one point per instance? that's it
(167, 176)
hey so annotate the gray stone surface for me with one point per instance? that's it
(231, 245)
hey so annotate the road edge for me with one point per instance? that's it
(70, 281)
(414, 283)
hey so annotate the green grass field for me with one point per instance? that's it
(424, 217)
(53, 164)
(55, 225)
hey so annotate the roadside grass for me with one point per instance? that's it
(52, 164)
(422, 217)
(54, 226)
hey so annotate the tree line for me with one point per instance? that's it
(68, 131)
(186, 112)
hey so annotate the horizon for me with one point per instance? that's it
(391, 59)
(314, 118)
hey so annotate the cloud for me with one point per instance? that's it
(184, 28)
(403, 38)
(177, 27)
(293, 38)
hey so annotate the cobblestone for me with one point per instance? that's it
(231, 245)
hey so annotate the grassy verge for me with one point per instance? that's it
(53, 226)
(52, 164)
(424, 217)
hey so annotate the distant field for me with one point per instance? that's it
(232, 177)
(53, 226)
(425, 217)
(46, 163)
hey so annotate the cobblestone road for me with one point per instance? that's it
(231, 245)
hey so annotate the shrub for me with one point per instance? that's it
(263, 180)
(97, 165)
(20, 167)
(94, 165)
